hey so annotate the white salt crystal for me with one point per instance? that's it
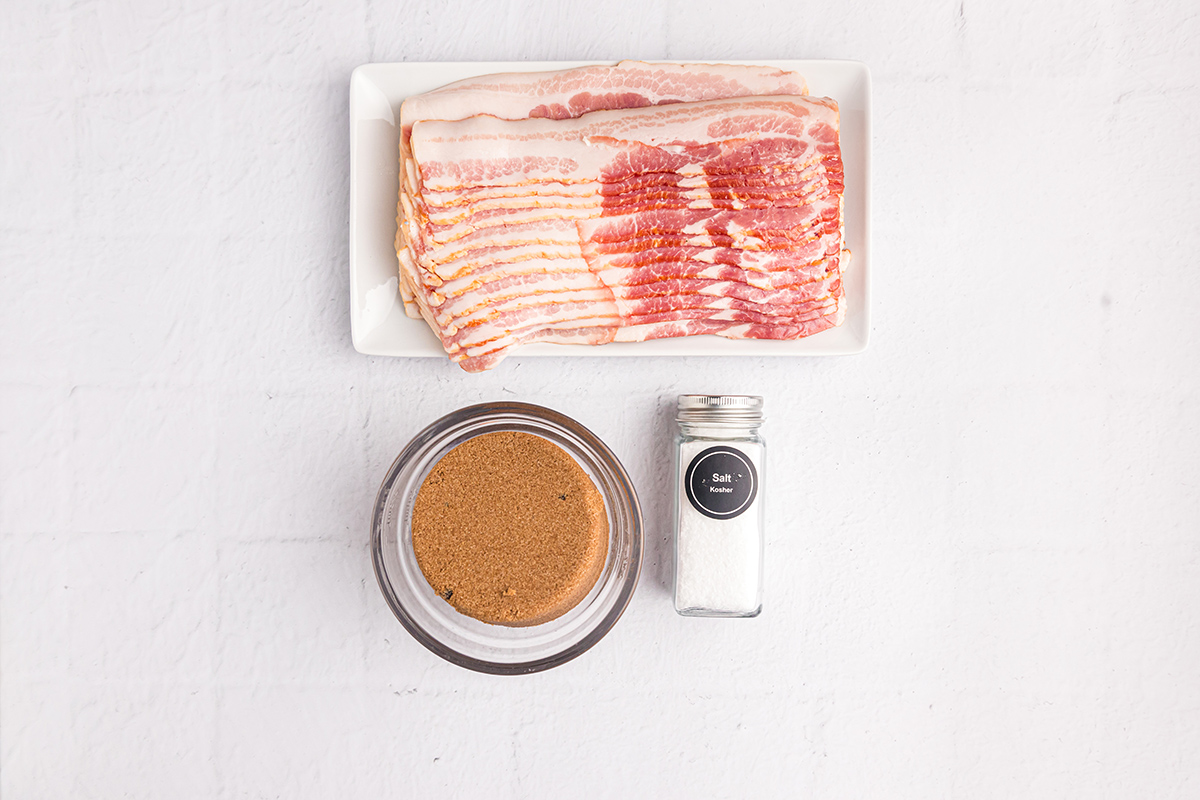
(718, 562)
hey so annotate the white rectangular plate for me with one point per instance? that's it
(378, 324)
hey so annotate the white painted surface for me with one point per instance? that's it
(983, 559)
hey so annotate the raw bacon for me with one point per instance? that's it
(571, 93)
(621, 203)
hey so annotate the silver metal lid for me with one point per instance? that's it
(719, 408)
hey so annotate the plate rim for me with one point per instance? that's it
(367, 76)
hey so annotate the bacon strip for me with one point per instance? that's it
(567, 94)
(721, 216)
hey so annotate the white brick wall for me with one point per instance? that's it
(983, 566)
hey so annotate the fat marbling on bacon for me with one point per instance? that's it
(569, 93)
(720, 216)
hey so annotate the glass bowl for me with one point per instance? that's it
(466, 641)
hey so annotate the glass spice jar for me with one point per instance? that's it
(719, 458)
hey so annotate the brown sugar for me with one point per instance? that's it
(509, 529)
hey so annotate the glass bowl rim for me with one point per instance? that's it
(428, 437)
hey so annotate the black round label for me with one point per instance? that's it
(721, 482)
